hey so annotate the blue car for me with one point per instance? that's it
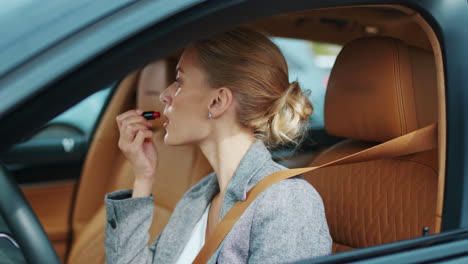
(374, 70)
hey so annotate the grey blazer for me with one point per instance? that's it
(286, 223)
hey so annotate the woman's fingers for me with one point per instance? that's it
(129, 126)
(120, 118)
(133, 129)
(129, 132)
(140, 137)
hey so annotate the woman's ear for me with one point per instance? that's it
(220, 102)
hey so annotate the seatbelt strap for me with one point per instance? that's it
(417, 141)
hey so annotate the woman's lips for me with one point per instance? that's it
(167, 120)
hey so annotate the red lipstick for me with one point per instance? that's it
(151, 115)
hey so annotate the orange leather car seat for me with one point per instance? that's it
(379, 89)
(106, 169)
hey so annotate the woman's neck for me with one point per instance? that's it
(224, 153)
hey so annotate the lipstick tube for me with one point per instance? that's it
(151, 115)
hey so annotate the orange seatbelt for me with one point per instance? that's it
(417, 141)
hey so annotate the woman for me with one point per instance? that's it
(231, 97)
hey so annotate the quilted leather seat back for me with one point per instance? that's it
(379, 89)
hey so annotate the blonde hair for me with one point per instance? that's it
(253, 67)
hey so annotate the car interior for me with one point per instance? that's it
(386, 82)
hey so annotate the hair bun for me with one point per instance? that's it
(289, 116)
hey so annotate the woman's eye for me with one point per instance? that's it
(177, 80)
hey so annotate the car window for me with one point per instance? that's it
(60, 143)
(310, 63)
(82, 116)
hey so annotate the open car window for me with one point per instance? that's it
(310, 63)
(85, 115)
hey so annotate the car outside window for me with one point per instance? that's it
(85, 114)
(310, 63)
(61, 143)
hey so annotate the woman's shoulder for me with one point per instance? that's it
(289, 210)
(295, 189)
(292, 192)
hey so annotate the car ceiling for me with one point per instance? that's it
(341, 25)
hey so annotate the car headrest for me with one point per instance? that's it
(380, 88)
(153, 79)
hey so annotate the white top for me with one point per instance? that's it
(196, 241)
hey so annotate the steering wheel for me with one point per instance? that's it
(23, 223)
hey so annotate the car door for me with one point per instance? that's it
(47, 166)
(446, 17)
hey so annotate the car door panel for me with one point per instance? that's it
(56, 143)
(55, 153)
(52, 204)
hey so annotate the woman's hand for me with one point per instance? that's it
(136, 143)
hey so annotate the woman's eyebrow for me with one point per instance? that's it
(179, 69)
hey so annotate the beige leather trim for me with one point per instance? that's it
(102, 157)
(441, 114)
(337, 248)
(89, 247)
(52, 203)
(441, 99)
(387, 91)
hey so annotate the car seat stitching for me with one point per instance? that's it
(414, 91)
(419, 162)
(396, 70)
(402, 94)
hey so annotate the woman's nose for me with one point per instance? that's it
(164, 97)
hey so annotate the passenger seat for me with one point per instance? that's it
(106, 169)
(379, 89)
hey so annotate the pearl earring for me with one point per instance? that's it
(209, 115)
